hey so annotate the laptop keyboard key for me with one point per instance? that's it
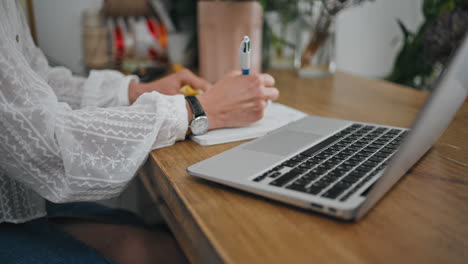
(364, 168)
(350, 179)
(311, 151)
(381, 155)
(309, 190)
(342, 184)
(344, 167)
(313, 190)
(311, 176)
(296, 187)
(281, 181)
(328, 179)
(334, 192)
(314, 160)
(261, 177)
(274, 174)
(337, 173)
(304, 166)
(290, 163)
(300, 182)
(298, 171)
(370, 163)
(299, 158)
(320, 184)
(357, 174)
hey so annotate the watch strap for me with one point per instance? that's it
(197, 109)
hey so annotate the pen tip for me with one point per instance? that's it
(245, 44)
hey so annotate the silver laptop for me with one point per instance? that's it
(337, 167)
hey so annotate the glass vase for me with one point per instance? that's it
(315, 41)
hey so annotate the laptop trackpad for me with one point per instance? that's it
(283, 143)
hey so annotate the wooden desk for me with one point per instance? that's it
(424, 219)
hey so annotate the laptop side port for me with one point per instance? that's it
(316, 206)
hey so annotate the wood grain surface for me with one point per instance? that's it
(424, 219)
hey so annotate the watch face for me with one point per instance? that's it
(200, 125)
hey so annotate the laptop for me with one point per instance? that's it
(335, 167)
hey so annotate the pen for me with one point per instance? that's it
(244, 55)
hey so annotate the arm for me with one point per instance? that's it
(104, 88)
(92, 153)
(69, 155)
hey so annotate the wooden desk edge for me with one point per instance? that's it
(163, 193)
(196, 243)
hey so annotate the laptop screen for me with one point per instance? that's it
(437, 113)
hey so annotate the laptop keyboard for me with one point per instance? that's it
(341, 164)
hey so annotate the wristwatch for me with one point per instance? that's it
(200, 122)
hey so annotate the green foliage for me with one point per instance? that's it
(433, 8)
(410, 65)
(288, 11)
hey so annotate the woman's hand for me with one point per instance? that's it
(169, 85)
(238, 100)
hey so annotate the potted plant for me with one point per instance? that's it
(424, 53)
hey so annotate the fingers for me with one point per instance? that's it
(267, 79)
(263, 78)
(233, 73)
(263, 86)
(187, 77)
(270, 93)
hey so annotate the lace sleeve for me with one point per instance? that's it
(105, 88)
(102, 88)
(70, 155)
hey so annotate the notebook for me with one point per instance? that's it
(276, 115)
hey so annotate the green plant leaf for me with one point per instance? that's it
(279, 40)
(430, 8)
(406, 33)
(461, 3)
(447, 6)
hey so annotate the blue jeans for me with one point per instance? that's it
(39, 241)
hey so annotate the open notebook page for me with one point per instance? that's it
(276, 115)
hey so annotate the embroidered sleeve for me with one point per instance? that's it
(103, 88)
(67, 154)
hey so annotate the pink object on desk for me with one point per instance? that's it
(221, 27)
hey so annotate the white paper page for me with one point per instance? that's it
(276, 115)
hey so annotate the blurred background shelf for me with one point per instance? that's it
(367, 36)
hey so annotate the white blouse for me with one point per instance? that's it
(65, 138)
